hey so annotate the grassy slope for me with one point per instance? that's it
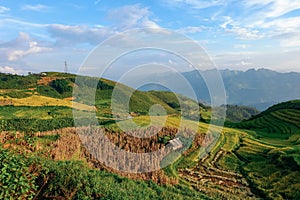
(269, 162)
(36, 90)
(279, 119)
(37, 112)
(268, 152)
(237, 113)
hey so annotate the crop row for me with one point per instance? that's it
(287, 117)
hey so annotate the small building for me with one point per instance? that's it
(176, 143)
(133, 114)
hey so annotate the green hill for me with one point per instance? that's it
(257, 158)
(56, 89)
(283, 118)
(238, 113)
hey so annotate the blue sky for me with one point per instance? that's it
(237, 34)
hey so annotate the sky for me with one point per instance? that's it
(40, 35)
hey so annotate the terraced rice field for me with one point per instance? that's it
(285, 121)
(211, 177)
(249, 164)
(244, 164)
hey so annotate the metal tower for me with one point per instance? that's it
(66, 67)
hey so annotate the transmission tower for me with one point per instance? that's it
(66, 67)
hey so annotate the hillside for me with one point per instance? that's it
(56, 89)
(282, 118)
(257, 158)
(236, 113)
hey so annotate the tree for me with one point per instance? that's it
(61, 85)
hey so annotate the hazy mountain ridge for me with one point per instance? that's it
(260, 88)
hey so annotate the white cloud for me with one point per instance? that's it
(245, 33)
(123, 18)
(71, 35)
(34, 48)
(22, 46)
(244, 63)
(232, 26)
(4, 9)
(285, 30)
(60, 40)
(22, 38)
(9, 70)
(191, 29)
(196, 4)
(227, 21)
(274, 8)
(280, 61)
(38, 7)
(10, 21)
(291, 40)
(263, 20)
(132, 16)
(283, 24)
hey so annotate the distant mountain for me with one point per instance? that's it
(260, 88)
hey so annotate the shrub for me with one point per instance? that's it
(61, 85)
(48, 91)
(9, 81)
(18, 94)
(16, 179)
(66, 179)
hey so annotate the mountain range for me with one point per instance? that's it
(260, 88)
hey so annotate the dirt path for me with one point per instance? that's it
(46, 80)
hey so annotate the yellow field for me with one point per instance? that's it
(172, 121)
(47, 101)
